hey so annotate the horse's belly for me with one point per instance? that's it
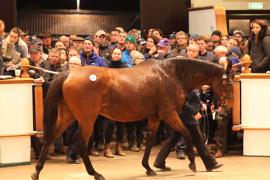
(127, 111)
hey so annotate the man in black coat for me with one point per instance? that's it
(190, 116)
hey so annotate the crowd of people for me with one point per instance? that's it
(124, 49)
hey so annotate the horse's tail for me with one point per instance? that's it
(52, 100)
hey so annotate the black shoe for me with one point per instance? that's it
(162, 167)
(180, 155)
(134, 148)
(215, 166)
(73, 160)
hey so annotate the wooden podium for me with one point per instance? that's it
(255, 116)
(16, 119)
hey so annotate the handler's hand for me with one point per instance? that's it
(198, 116)
(39, 80)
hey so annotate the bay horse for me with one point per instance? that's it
(154, 89)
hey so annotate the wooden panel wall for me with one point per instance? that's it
(8, 13)
(168, 15)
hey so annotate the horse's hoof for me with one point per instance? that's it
(151, 173)
(192, 167)
(162, 167)
(34, 176)
(99, 177)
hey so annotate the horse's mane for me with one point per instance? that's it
(184, 67)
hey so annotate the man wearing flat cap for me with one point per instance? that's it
(47, 41)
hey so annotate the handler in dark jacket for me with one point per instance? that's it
(259, 47)
(190, 116)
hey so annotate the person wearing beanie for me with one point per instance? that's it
(89, 56)
(234, 55)
(130, 44)
(235, 51)
(172, 38)
(193, 39)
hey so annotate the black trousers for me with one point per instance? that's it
(197, 139)
(109, 129)
(97, 137)
(71, 136)
(135, 132)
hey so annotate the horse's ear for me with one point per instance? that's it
(229, 66)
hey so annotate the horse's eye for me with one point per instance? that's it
(224, 82)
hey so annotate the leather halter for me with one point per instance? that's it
(227, 84)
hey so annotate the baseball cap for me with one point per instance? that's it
(163, 42)
(100, 32)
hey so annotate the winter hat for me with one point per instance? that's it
(89, 38)
(194, 37)
(131, 38)
(235, 50)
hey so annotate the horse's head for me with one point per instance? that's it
(193, 74)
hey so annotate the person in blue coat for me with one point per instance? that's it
(88, 55)
(131, 45)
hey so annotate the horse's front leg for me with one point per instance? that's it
(176, 123)
(153, 124)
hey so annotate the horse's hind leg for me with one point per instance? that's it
(176, 123)
(64, 119)
(153, 124)
(42, 158)
(86, 129)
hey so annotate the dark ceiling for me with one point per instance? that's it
(115, 5)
